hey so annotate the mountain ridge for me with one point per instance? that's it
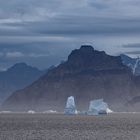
(87, 74)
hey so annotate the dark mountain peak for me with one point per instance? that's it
(21, 67)
(22, 64)
(18, 65)
(87, 48)
(85, 51)
(88, 57)
(87, 60)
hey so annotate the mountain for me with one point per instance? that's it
(87, 74)
(133, 63)
(16, 77)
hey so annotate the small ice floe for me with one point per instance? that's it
(5, 112)
(31, 112)
(109, 111)
(50, 112)
(70, 108)
(98, 107)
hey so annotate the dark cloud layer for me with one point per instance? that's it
(133, 53)
(135, 45)
(39, 55)
(43, 32)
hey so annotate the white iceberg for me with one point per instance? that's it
(50, 112)
(98, 107)
(109, 111)
(70, 108)
(31, 112)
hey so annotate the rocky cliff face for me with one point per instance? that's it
(87, 74)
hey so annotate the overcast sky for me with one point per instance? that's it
(43, 32)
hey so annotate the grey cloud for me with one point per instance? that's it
(99, 4)
(36, 54)
(45, 31)
(65, 25)
(136, 53)
(121, 7)
(14, 54)
(76, 25)
(1, 54)
(61, 18)
(135, 45)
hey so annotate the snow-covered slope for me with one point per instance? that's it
(133, 63)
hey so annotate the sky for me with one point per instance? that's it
(43, 32)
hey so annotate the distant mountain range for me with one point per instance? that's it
(18, 76)
(87, 74)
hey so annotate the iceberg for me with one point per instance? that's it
(31, 112)
(98, 107)
(70, 108)
(109, 111)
